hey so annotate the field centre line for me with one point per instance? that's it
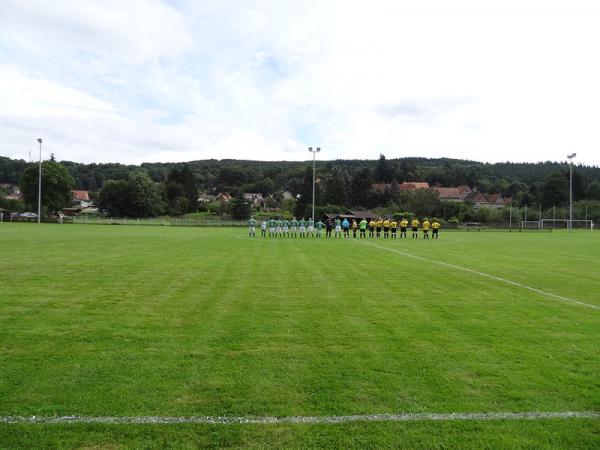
(267, 420)
(483, 274)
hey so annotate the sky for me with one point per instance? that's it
(134, 81)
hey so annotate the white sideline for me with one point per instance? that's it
(483, 274)
(266, 420)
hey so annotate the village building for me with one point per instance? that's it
(255, 199)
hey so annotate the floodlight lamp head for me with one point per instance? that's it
(572, 155)
(318, 149)
(39, 140)
(310, 149)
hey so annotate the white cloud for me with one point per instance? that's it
(132, 30)
(24, 96)
(145, 80)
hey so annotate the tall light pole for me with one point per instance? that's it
(570, 158)
(40, 184)
(314, 153)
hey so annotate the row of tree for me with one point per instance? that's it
(173, 188)
(268, 177)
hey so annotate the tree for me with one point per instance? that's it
(360, 188)
(231, 176)
(240, 208)
(181, 191)
(336, 189)
(138, 196)
(555, 190)
(578, 185)
(56, 186)
(113, 198)
(304, 197)
(145, 199)
(384, 172)
(592, 192)
(424, 202)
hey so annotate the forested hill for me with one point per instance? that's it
(266, 176)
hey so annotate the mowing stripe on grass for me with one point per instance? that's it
(266, 420)
(483, 274)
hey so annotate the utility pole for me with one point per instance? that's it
(40, 184)
(570, 158)
(314, 153)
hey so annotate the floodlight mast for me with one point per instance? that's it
(314, 153)
(40, 184)
(570, 158)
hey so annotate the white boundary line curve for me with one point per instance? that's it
(266, 420)
(487, 275)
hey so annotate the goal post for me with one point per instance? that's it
(530, 225)
(558, 224)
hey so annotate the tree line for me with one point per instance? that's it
(173, 188)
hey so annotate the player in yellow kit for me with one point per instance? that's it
(425, 227)
(403, 225)
(386, 228)
(415, 228)
(378, 226)
(393, 227)
(371, 228)
(435, 227)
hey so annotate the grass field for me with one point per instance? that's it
(166, 321)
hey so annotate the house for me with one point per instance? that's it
(81, 196)
(481, 200)
(406, 186)
(412, 185)
(498, 200)
(366, 214)
(206, 198)
(380, 186)
(477, 198)
(357, 215)
(73, 211)
(256, 199)
(81, 199)
(451, 194)
(223, 197)
(12, 191)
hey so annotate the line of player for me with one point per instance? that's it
(337, 228)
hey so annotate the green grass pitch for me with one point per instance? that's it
(165, 321)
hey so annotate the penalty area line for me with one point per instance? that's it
(487, 275)
(267, 420)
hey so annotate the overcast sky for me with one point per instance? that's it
(148, 80)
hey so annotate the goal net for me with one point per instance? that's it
(531, 225)
(564, 224)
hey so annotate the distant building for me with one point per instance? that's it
(412, 185)
(82, 196)
(81, 199)
(453, 194)
(206, 198)
(407, 186)
(256, 199)
(380, 186)
(494, 201)
(12, 191)
(223, 197)
(351, 214)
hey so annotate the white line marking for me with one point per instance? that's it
(265, 420)
(483, 274)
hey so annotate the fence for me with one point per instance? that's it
(156, 221)
(217, 222)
